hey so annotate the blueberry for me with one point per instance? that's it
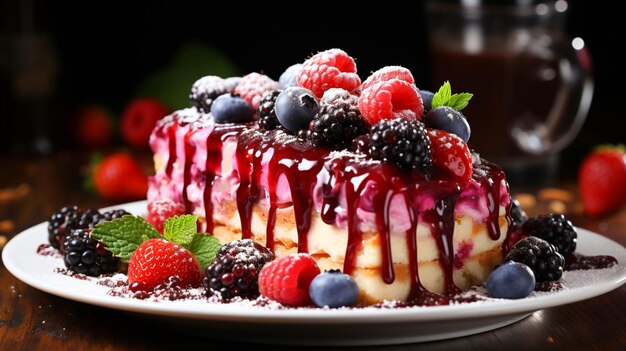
(511, 280)
(290, 76)
(448, 119)
(427, 99)
(230, 108)
(295, 108)
(333, 289)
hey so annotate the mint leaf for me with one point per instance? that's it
(442, 96)
(180, 229)
(123, 235)
(204, 247)
(459, 101)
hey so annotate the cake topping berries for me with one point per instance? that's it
(295, 108)
(235, 270)
(337, 125)
(333, 289)
(511, 280)
(553, 228)
(402, 142)
(540, 256)
(288, 279)
(160, 210)
(267, 111)
(329, 69)
(445, 112)
(289, 78)
(207, 89)
(229, 108)
(391, 99)
(387, 73)
(254, 86)
(451, 157)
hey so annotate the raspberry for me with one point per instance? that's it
(86, 255)
(287, 280)
(235, 270)
(555, 229)
(451, 157)
(391, 99)
(329, 69)
(337, 95)
(540, 256)
(207, 89)
(337, 125)
(387, 73)
(160, 210)
(267, 113)
(254, 86)
(402, 142)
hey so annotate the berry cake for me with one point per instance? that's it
(368, 178)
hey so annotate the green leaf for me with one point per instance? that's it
(459, 101)
(180, 229)
(442, 96)
(204, 247)
(123, 235)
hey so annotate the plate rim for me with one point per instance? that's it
(227, 312)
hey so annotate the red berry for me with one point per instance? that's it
(451, 157)
(157, 260)
(93, 126)
(120, 177)
(602, 181)
(139, 118)
(329, 69)
(287, 280)
(387, 73)
(391, 99)
(160, 210)
(254, 86)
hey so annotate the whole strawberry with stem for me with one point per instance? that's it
(175, 259)
(602, 180)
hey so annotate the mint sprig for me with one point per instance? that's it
(444, 97)
(122, 236)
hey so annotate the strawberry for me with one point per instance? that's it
(602, 180)
(156, 261)
(287, 280)
(160, 210)
(451, 156)
(139, 118)
(119, 177)
(93, 126)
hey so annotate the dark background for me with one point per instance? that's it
(105, 50)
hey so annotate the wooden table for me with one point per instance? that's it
(32, 189)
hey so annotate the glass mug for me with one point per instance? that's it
(532, 84)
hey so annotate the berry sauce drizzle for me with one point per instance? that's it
(349, 177)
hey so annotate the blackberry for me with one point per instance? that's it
(337, 125)
(86, 255)
(68, 218)
(402, 142)
(518, 215)
(61, 223)
(113, 214)
(235, 270)
(540, 256)
(267, 114)
(207, 89)
(555, 229)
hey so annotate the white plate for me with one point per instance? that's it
(364, 326)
